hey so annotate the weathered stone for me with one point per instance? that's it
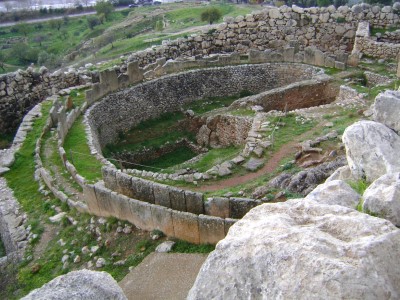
(253, 164)
(217, 206)
(335, 192)
(165, 247)
(284, 250)
(82, 284)
(386, 109)
(382, 198)
(372, 150)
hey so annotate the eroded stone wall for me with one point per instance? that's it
(21, 90)
(327, 28)
(121, 111)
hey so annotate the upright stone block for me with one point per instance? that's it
(134, 73)
(162, 220)
(103, 196)
(288, 54)
(144, 190)
(124, 184)
(177, 197)
(309, 56)
(319, 58)
(90, 199)
(141, 214)
(120, 204)
(241, 206)
(186, 226)
(217, 207)
(109, 79)
(194, 202)
(109, 178)
(161, 195)
(212, 229)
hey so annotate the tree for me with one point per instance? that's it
(211, 15)
(39, 39)
(159, 26)
(24, 53)
(104, 7)
(92, 21)
(8, 6)
(22, 28)
(324, 3)
(56, 23)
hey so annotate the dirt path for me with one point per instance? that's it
(62, 183)
(269, 167)
(163, 276)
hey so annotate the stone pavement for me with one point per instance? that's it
(162, 276)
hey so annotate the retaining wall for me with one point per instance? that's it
(368, 45)
(21, 90)
(327, 28)
(175, 198)
(121, 111)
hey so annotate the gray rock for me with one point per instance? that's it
(84, 284)
(4, 170)
(342, 173)
(101, 262)
(165, 247)
(335, 192)
(386, 109)
(303, 250)
(57, 218)
(372, 150)
(382, 198)
(253, 164)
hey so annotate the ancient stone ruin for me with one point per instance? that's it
(278, 56)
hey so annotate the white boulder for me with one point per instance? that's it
(303, 250)
(372, 150)
(382, 198)
(82, 284)
(335, 192)
(386, 109)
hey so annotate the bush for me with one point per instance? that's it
(211, 15)
(49, 60)
(92, 21)
(24, 53)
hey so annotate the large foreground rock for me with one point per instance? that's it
(303, 250)
(335, 192)
(372, 150)
(84, 284)
(386, 109)
(382, 198)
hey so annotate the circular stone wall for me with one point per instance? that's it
(121, 111)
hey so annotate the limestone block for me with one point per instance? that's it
(309, 56)
(329, 62)
(217, 207)
(141, 214)
(162, 219)
(83, 284)
(110, 178)
(109, 79)
(319, 58)
(143, 189)
(121, 207)
(177, 197)
(339, 65)
(372, 150)
(335, 192)
(296, 249)
(186, 226)
(212, 229)
(194, 202)
(161, 195)
(124, 185)
(103, 196)
(238, 207)
(386, 109)
(288, 54)
(382, 198)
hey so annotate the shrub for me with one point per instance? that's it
(211, 15)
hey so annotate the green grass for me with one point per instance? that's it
(53, 40)
(78, 97)
(359, 186)
(212, 158)
(205, 105)
(288, 132)
(178, 156)
(78, 152)
(186, 247)
(151, 133)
